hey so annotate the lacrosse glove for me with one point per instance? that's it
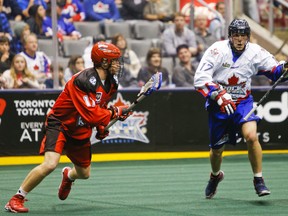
(285, 68)
(224, 100)
(101, 132)
(120, 112)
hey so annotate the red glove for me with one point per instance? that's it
(101, 132)
(224, 100)
(120, 112)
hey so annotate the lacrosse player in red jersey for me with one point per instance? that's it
(81, 106)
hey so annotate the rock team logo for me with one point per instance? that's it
(132, 129)
(2, 108)
(98, 96)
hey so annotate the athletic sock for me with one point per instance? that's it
(69, 176)
(22, 192)
(216, 173)
(258, 174)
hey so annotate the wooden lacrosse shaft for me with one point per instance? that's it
(265, 95)
(128, 110)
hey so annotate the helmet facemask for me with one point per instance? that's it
(114, 66)
(238, 28)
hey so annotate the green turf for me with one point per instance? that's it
(166, 187)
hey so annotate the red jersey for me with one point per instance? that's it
(82, 104)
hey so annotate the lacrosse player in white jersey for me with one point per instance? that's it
(223, 77)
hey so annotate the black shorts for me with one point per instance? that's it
(55, 139)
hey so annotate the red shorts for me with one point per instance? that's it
(78, 151)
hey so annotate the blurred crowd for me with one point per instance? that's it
(160, 40)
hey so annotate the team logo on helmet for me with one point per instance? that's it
(103, 50)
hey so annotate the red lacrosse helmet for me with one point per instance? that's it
(104, 51)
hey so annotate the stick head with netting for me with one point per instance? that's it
(153, 84)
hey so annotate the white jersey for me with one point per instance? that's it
(38, 64)
(218, 68)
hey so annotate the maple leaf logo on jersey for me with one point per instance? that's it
(234, 88)
(132, 129)
(101, 7)
(233, 80)
(36, 67)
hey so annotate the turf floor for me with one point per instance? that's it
(156, 188)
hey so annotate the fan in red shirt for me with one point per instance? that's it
(81, 106)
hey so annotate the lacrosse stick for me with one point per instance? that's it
(153, 84)
(266, 95)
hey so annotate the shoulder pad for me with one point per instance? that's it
(87, 80)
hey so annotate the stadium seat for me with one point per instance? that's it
(168, 63)
(74, 47)
(45, 45)
(88, 28)
(147, 30)
(63, 62)
(140, 47)
(123, 28)
(167, 25)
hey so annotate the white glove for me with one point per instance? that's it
(224, 100)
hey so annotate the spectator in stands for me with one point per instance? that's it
(35, 21)
(21, 30)
(156, 10)
(75, 64)
(101, 10)
(37, 62)
(204, 38)
(154, 65)
(132, 63)
(118, 3)
(183, 74)
(12, 10)
(133, 10)
(5, 29)
(2, 82)
(251, 9)
(49, 83)
(66, 29)
(26, 4)
(217, 24)
(178, 34)
(73, 11)
(19, 76)
(6, 56)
